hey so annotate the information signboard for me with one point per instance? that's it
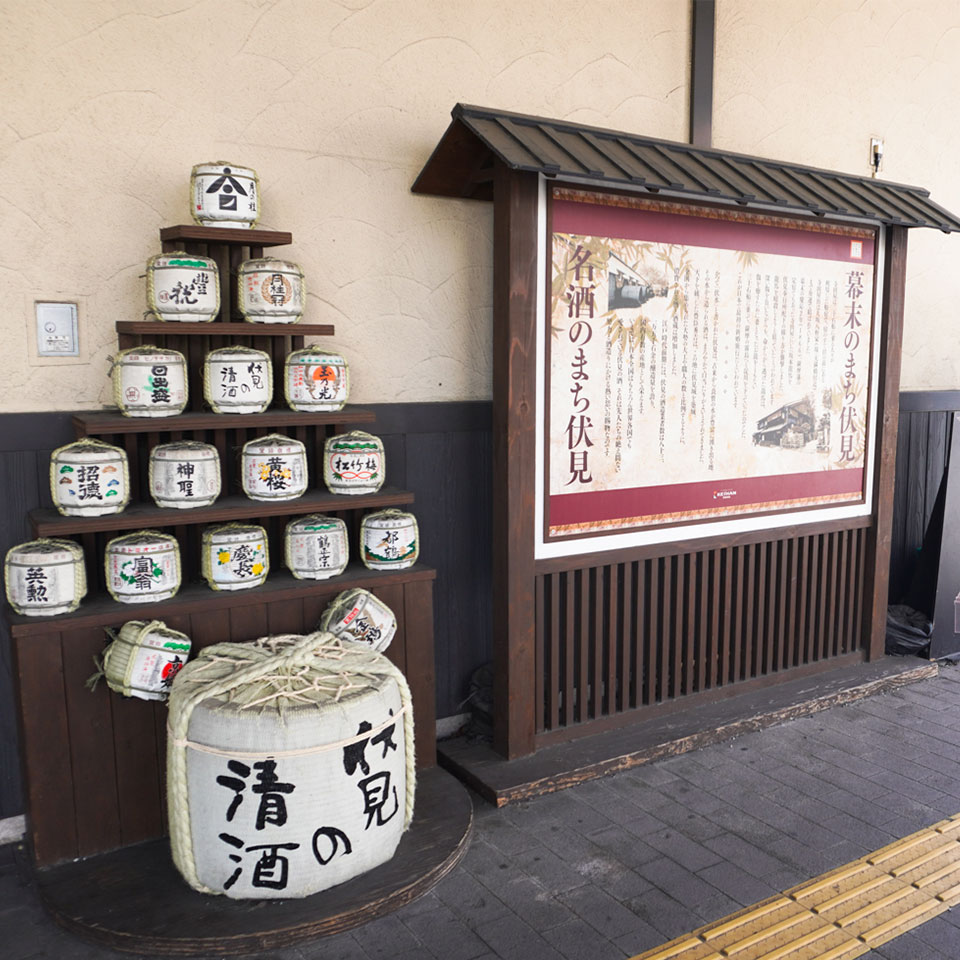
(701, 364)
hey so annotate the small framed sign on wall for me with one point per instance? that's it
(704, 370)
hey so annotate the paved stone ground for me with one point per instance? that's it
(611, 868)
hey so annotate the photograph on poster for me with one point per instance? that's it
(702, 364)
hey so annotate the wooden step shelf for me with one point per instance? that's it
(177, 328)
(95, 761)
(103, 611)
(98, 423)
(139, 516)
(232, 236)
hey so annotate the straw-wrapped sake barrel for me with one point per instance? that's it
(143, 657)
(224, 195)
(238, 380)
(150, 381)
(316, 547)
(315, 380)
(389, 540)
(357, 616)
(290, 766)
(271, 291)
(45, 577)
(274, 467)
(234, 556)
(89, 478)
(183, 286)
(142, 567)
(353, 463)
(184, 474)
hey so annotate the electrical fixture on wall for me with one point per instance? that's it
(876, 155)
(57, 334)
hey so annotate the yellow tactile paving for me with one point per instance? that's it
(842, 914)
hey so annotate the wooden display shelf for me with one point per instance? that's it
(103, 610)
(235, 236)
(220, 328)
(102, 422)
(138, 516)
(134, 900)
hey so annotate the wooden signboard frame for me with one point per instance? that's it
(633, 629)
(516, 241)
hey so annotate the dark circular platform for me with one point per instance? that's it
(134, 900)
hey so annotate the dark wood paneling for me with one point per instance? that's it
(690, 624)
(445, 461)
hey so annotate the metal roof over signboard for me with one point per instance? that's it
(460, 166)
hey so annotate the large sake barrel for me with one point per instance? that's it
(271, 291)
(150, 381)
(143, 657)
(89, 478)
(225, 195)
(183, 286)
(290, 766)
(45, 577)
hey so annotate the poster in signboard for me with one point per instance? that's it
(701, 364)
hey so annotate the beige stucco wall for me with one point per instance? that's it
(108, 103)
(813, 81)
(337, 105)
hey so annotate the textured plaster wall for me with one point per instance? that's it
(108, 103)
(813, 80)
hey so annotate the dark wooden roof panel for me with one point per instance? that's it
(565, 150)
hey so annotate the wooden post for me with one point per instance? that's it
(514, 451)
(877, 574)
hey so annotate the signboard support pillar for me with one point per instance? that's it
(877, 573)
(514, 451)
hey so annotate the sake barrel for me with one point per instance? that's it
(150, 381)
(238, 380)
(89, 478)
(142, 567)
(143, 657)
(274, 467)
(389, 540)
(45, 577)
(353, 463)
(234, 556)
(315, 381)
(316, 547)
(183, 286)
(357, 616)
(184, 474)
(224, 195)
(290, 766)
(271, 291)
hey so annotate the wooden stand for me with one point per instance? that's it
(134, 900)
(95, 761)
(588, 643)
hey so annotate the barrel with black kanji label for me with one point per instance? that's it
(290, 766)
